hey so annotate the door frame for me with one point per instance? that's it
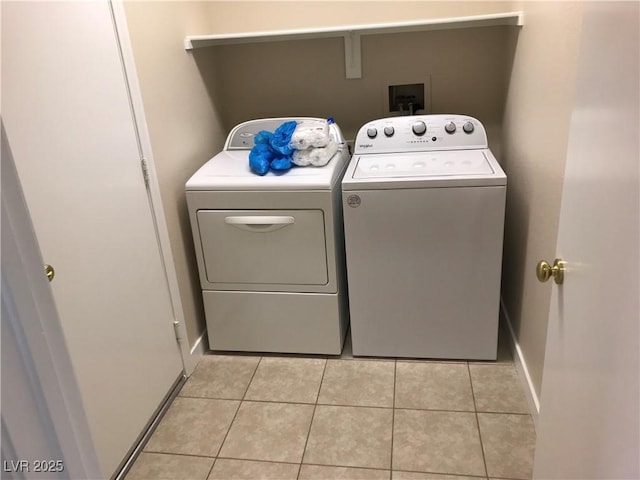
(190, 356)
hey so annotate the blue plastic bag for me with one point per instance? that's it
(260, 158)
(272, 150)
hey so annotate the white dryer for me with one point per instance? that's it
(424, 204)
(270, 249)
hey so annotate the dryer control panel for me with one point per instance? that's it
(421, 133)
(242, 136)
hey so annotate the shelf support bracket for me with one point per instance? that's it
(352, 55)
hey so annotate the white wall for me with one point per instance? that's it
(534, 144)
(184, 124)
(233, 17)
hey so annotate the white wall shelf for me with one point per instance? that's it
(352, 34)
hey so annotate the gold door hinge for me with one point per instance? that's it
(145, 171)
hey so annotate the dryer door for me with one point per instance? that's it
(262, 247)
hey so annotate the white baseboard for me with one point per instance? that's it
(521, 367)
(200, 346)
(198, 349)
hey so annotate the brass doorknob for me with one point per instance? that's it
(544, 271)
(50, 272)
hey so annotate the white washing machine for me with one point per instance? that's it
(270, 249)
(424, 204)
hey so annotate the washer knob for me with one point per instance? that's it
(419, 128)
(468, 127)
(372, 132)
(389, 131)
(450, 127)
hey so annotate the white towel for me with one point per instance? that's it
(310, 133)
(318, 157)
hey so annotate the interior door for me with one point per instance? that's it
(589, 424)
(69, 124)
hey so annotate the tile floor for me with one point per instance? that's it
(299, 417)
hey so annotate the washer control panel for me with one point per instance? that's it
(420, 133)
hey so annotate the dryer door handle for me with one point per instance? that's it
(260, 224)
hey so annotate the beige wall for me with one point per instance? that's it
(184, 126)
(233, 17)
(535, 138)
(464, 71)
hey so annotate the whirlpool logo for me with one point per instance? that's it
(365, 145)
(354, 201)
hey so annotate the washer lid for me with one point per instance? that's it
(448, 163)
(447, 168)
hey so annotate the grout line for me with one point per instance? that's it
(237, 410)
(357, 406)
(211, 398)
(318, 356)
(430, 361)
(179, 454)
(213, 464)
(504, 413)
(452, 475)
(354, 406)
(346, 466)
(258, 461)
(393, 416)
(224, 439)
(251, 379)
(473, 395)
(304, 450)
(361, 406)
(319, 465)
(497, 365)
(326, 361)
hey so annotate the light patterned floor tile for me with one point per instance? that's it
(358, 383)
(317, 472)
(226, 469)
(497, 388)
(434, 386)
(274, 432)
(350, 437)
(161, 466)
(287, 380)
(509, 443)
(221, 376)
(347, 439)
(193, 426)
(438, 442)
